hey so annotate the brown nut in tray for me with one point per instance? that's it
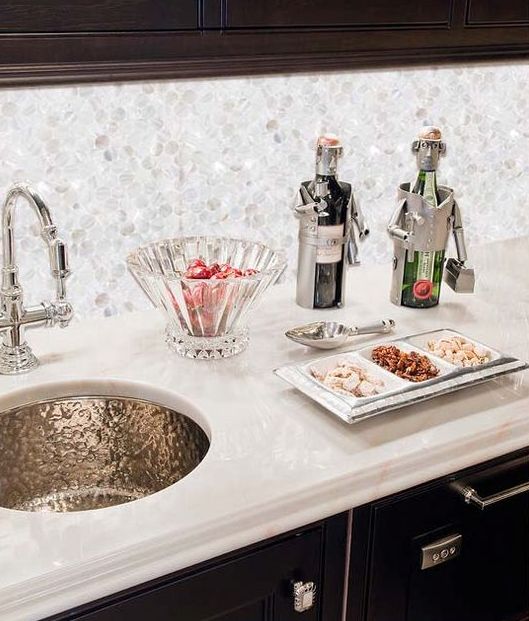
(411, 366)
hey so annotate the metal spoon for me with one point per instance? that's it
(331, 334)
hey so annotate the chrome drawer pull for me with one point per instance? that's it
(440, 551)
(471, 496)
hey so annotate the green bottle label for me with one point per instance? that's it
(425, 265)
(422, 279)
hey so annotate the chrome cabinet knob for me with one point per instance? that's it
(304, 596)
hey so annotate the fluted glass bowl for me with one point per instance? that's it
(206, 318)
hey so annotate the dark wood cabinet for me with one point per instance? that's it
(485, 573)
(498, 12)
(256, 584)
(58, 16)
(60, 41)
(322, 14)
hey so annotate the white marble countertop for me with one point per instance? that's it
(277, 460)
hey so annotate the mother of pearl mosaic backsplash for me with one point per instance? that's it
(126, 164)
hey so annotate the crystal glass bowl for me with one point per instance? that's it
(206, 318)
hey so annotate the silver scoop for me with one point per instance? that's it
(330, 334)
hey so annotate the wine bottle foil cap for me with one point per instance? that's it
(430, 132)
(329, 140)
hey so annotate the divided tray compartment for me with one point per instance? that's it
(404, 345)
(399, 391)
(392, 383)
(420, 341)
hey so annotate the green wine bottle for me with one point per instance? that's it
(423, 273)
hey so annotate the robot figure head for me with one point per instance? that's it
(428, 148)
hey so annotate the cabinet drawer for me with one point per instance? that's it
(337, 13)
(498, 12)
(97, 16)
(257, 586)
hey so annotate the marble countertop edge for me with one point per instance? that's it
(157, 556)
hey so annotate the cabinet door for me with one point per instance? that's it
(482, 577)
(256, 587)
(496, 553)
(55, 16)
(337, 13)
(498, 12)
(398, 588)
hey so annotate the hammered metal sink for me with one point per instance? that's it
(79, 453)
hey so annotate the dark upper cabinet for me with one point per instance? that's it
(321, 14)
(498, 12)
(58, 16)
(60, 40)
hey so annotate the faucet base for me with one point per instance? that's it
(19, 359)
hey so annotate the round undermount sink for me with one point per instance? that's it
(90, 452)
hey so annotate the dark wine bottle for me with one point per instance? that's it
(326, 189)
(423, 273)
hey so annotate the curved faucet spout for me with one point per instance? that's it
(15, 354)
(8, 217)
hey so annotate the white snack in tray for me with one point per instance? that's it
(459, 351)
(349, 379)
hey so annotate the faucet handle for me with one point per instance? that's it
(59, 313)
(60, 266)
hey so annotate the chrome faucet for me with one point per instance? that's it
(15, 353)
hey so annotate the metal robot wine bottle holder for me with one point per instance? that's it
(418, 227)
(328, 215)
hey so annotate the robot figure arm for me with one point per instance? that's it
(459, 234)
(358, 218)
(305, 204)
(395, 226)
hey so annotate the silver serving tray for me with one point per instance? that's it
(399, 392)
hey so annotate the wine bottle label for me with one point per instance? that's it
(425, 265)
(330, 254)
(422, 279)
